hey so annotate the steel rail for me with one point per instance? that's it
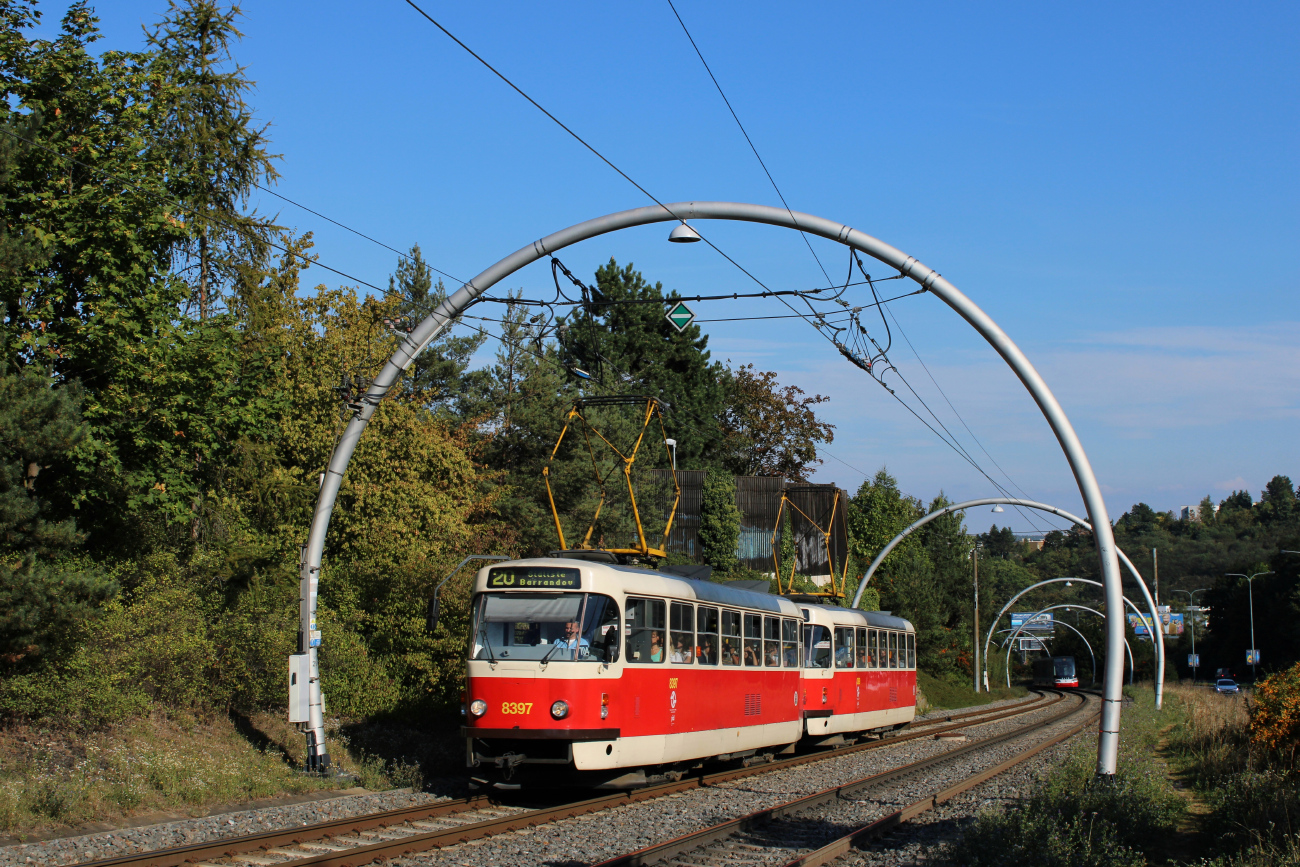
(662, 852)
(833, 850)
(266, 840)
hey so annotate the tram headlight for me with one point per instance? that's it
(560, 709)
(478, 707)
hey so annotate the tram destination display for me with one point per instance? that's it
(533, 578)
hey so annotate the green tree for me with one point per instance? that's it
(214, 153)
(719, 521)
(442, 370)
(768, 430)
(42, 593)
(637, 350)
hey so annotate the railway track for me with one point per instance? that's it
(376, 836)
(771, 836)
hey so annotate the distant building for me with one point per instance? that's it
(1034, 540)
(1189, 513)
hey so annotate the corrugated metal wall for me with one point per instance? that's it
(759, 498)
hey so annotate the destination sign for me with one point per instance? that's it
(533, 578)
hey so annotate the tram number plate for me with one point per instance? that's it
(516, 707)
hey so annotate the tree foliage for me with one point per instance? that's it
(719, 521)
(768, 430)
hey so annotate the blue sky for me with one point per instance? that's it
(1115, 184)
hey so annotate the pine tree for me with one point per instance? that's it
(216, 154)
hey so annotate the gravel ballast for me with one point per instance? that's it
(580, 840)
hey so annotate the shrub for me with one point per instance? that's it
(1275, 714)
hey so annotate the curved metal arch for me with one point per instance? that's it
(1068, 605)
(908, 266)
(988, 640)
(1042, 507)
(1086, 644)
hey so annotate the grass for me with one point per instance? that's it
(1075, 820)
(941, 694)
(1254, 799)
(52, 779)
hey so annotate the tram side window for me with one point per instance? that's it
(844, 647)
(730, 637)
(911, 650)
(753, 639)
(893, 649)
(873, 654)
(681, 631)
(860, 636)
(772, 642)
(817, 646)
(706, 621)
(645, 630)
(790, 643)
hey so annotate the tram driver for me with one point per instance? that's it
(573, 640)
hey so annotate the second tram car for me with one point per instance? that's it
(617, 676)
(1056, 671)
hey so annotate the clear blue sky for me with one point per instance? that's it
(1116, 184)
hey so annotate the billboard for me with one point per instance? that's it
(1041, 623)
(1141, 624)
(1170, 623)
(1031, 644)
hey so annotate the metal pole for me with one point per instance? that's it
(1192, 609)
(1042, 507)
(975, 625)
(907, 266)
(1250, 587)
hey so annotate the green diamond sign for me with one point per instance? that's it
(680, 316)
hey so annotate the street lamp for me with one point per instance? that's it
(1191, 606)
(1254, 651)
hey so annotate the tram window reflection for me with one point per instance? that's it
(911, 650)
(681, 633)
(753, 639)
(706, 622)
(645, 630)
(730, 637)
(817, 646)
(873, 654)
(893, 649)
(790, 643)
(860, 636)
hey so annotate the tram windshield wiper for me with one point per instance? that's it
(487, 642)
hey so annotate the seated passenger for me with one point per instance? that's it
(706, 653)
(656, 647)
(773, 656)
(791, 656)
(862, 657)
(843, 657)
(681, 653)
(751, 658)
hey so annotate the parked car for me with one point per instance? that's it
(1226, 686)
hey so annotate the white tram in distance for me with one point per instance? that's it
(614, 676)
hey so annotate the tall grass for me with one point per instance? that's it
(1253, 795)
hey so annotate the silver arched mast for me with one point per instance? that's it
(419, 338)
(1042, 507)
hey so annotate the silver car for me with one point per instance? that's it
(1226, 686)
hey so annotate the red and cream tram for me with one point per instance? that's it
(615, 676)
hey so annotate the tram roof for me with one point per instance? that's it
(878, 619)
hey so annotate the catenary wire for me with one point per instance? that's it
(583, 141)
(946, 399)
(749, 140)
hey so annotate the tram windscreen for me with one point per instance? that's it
(1064, 666)
(551, 627)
